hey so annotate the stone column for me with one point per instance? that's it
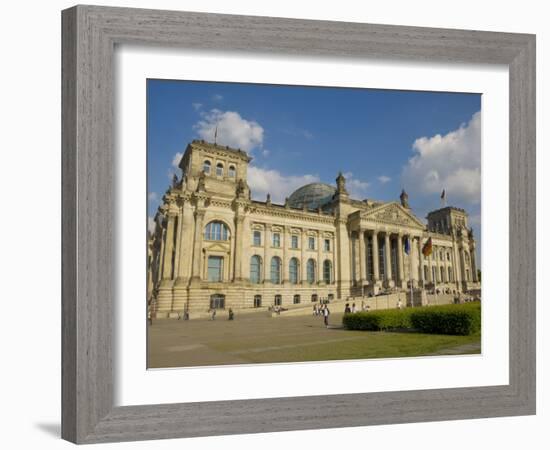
(197, 257)
(375, 258)
(362, 259)
(437, 269)
(400, 267)
(473, 264)
(387, 260)
(303, 258)
(462, 264)
(185, 243)
(237, 265)
(267, 256)
(285, 242)
(320, 243)
(168, 248)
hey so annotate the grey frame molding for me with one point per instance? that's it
(89, 37)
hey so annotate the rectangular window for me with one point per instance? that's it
(215, 265)
(257, 301)
(276, 240)
(278, 300)
(327, 245)
(311, 243)
(296, 299)
(294, 241)
(257, 240)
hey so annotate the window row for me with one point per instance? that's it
(294, 241)
(296, 299)
(256, 270)
(207, 168)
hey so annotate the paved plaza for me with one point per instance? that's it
(259, 338)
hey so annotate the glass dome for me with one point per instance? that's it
(312, 195)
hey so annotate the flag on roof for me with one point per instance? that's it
(427, 249)
(443, 194)
(407, 246)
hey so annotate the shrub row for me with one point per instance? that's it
(447, 319)
(390, 319)
(450, 319)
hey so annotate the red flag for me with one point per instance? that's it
(427, 249)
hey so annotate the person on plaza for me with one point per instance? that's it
(399, 304)
(213, 316)
(231, 314)
(347, 309)
(315, 311)
(353, 309)
(326, 313)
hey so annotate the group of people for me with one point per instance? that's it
(230, 314)
(322, 310)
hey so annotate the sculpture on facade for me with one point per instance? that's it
(341, 184)
(404, 197)
(201, 184)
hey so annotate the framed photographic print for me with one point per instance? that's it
(276, 224)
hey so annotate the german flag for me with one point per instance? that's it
(427, 249)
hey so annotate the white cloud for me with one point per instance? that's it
(151, 224)
(217, 97)
(264, 181)
(265, 152)
(233, 130)
(176, 160)
(384, 179)
(356, 188)
(196, 106)
(152, 196)
(451, 162)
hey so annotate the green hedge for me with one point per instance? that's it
(462, 319)
(390, 319)
(449, 319)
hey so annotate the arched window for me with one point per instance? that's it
(467, 257)
(450, 275)
(255, 269)
(206, 167)
(426, 273)
(293, 270)
(216, 231)
(442, 270)
(276, 270)
(219, 169)
(327, 271)
(231, 172)
(310, 271)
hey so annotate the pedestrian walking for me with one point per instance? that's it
(213, 316)
(231, 314)
(347, 309)
(353, 309)
(326, 313)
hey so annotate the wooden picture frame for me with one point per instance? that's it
(90, 34)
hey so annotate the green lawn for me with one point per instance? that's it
(262, 339)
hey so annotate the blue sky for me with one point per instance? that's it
(382, 140)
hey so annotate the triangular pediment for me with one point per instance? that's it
(393, 214)
(217, 246)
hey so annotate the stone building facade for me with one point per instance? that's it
(215, 247)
